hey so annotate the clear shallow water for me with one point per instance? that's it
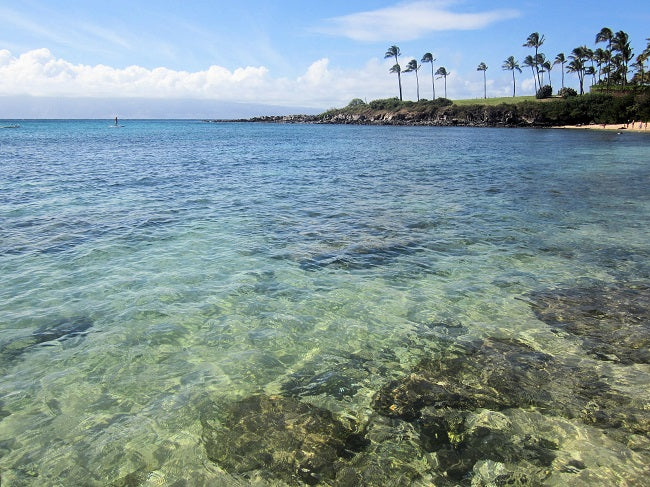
(154, 270)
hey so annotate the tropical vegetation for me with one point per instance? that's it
(606, 69)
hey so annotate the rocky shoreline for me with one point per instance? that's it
(391, 118)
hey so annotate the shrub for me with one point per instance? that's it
(544, 92)
(567, 92)
(385, 104)
(443, 102)
(356, 102)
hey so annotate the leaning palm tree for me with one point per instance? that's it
(414, 66)
(428, 58)
(529, 61)
(483, 67)
(393, 51)
(560, 59)
(443, 73)
(511, 64)
(535, 40)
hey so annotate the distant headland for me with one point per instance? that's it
(617, 110)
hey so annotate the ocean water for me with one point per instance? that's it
(158, 275)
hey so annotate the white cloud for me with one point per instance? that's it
(410, 20)
(40, 73)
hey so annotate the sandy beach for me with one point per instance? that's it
(619, 127)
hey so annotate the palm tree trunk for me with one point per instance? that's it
(532, 70)
(609, 62)
(539, 80)
(417, 84)
(514, 88)
(433, 83)
(562, 75)
(484, 87)
(399, 81)
(445, 86)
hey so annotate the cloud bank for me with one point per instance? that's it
(38, 74)
(409, 21)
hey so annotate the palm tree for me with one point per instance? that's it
(511, 64)
(428, 58)
(535, 40)
(621, 44)
(443, 73)
(560, 59)
(601, 57)
(530, 62)
(540, 59)
(640, 64)
(414, 66)
(547, 67)
(589, 56)
(606, 35)
(577, 66)
(483, 67)
(393, 51)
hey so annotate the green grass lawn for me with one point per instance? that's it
(495, 101)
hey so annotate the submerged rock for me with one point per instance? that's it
(59, 331)
(484, 445)
(280, 438)
(359, 256)
(332, 375)
(613, 321)
(460, 402)
(494, 374)
(498, 374)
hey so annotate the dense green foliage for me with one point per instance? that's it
(586, 109)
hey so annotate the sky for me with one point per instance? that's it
(224, 59)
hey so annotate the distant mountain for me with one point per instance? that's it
(19, 107)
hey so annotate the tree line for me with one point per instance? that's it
(608, 66)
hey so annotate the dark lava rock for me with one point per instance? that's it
(280, 438)
(613, 321)
(499, 374)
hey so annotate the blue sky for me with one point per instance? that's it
(304, 54)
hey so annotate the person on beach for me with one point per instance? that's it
(115, 120)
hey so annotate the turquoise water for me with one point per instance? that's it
(162, 271)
